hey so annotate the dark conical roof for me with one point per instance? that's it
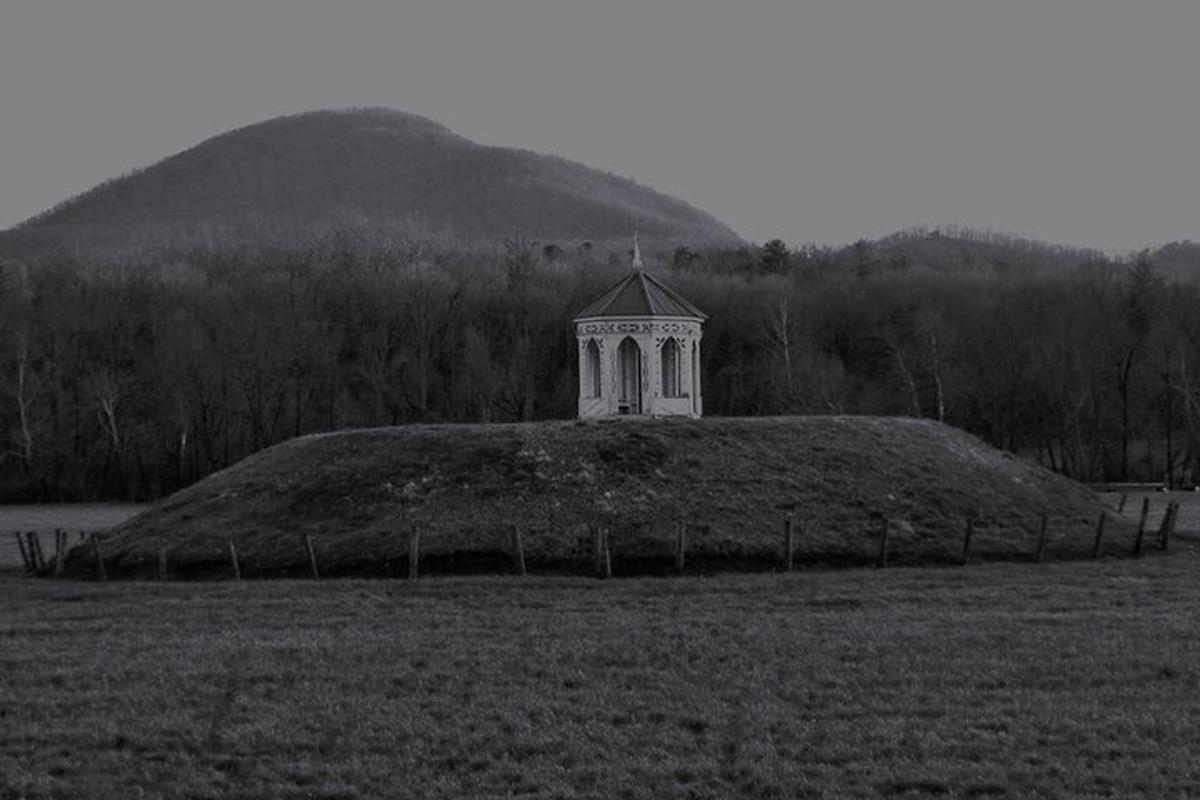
(641, 295)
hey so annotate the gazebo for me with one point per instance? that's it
(639, 350)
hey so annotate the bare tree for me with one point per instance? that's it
(22, 395)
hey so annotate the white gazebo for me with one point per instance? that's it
(639, 350)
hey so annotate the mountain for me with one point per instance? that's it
(372, 166)
(955, 248)
(1177, 258)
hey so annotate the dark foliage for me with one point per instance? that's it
(129, 378)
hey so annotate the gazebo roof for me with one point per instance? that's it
(641, 295)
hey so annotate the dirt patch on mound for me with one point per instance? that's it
(731, 481)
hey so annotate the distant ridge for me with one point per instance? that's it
(370, 166)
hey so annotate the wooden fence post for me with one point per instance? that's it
(1099, 534)
(29, 545)
(680, 545)
(414, 550)
(884, 529)
(1168, 525)
(607, 555)
(967, 534)
(60, 551)
(518, 551)
(312, 557)
(162, 560)
(233, 558)
(99, 558)
(24, 553)
(1040, 549)
(1174, 517)
(789, 544)
(597, 537)
(35, 546)
(1141, 532)
(1163, 539)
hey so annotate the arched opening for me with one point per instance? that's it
(629, 383)
(591, 366)
(671, 385)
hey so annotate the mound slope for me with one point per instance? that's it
(733, 481)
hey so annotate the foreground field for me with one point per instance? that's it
(997, 680)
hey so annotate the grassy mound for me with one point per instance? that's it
(733, 481)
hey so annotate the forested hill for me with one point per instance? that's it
(1180, 258)
(946, 251)
(130, 379)
(366, 166)
(965, 249)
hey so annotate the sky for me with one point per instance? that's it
(1071, 121)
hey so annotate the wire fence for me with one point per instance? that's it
(1154, 516)
(44, 519)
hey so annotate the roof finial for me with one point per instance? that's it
(637, 251)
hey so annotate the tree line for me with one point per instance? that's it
(128, 379)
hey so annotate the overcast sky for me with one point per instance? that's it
(1072, 121)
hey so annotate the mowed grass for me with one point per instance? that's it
(1189, 508)
(996, 680)
(44, 519)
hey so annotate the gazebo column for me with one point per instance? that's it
(612, 380)
(584, 389)
(650, 368)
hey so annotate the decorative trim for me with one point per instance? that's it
(662, 327)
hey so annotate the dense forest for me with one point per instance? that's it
(127, 378)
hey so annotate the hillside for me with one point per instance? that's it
(732, 480)
(957, 249)
(368, 165)
(1178, 259)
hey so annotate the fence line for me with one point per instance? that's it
(35, 560)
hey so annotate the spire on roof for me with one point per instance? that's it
(637, 252)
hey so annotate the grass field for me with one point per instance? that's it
(995, 680)
(74, 517)
(1189, 508)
